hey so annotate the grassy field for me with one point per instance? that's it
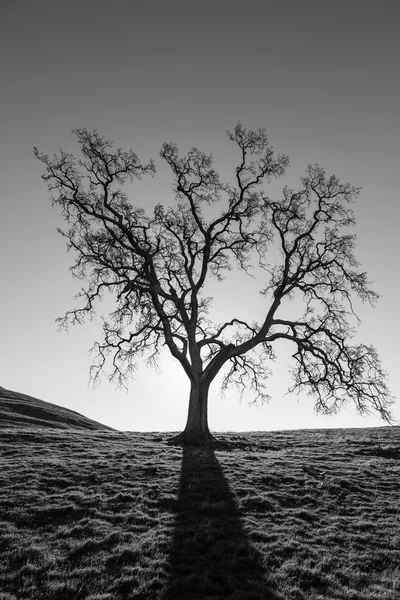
(101, 515)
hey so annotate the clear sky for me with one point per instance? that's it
(322, 78)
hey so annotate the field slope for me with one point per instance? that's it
(106, 515)
(18, 410)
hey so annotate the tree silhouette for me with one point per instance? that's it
(156, 266)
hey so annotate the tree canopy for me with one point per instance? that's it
(157, 265)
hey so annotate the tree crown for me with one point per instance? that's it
(157, 266)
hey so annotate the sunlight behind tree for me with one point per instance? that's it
(157, 267)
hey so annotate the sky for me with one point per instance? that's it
(321, 77)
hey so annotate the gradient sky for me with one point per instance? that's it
(322, 78)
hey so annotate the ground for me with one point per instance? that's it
(104, 515)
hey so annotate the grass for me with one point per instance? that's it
(18, 410)
(101, 515)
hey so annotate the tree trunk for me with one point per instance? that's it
(196, 430)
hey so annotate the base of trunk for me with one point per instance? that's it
(191, 439)
(196, 430)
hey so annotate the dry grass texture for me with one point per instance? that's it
(280, 515)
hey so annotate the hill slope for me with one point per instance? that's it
(20, 410)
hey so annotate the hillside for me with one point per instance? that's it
(109, 515)
(21, 410)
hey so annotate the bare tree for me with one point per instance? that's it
(157, 267)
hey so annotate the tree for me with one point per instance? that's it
(156, 267)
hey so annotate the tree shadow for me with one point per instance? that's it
(211, 556)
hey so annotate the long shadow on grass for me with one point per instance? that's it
(211, 555)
